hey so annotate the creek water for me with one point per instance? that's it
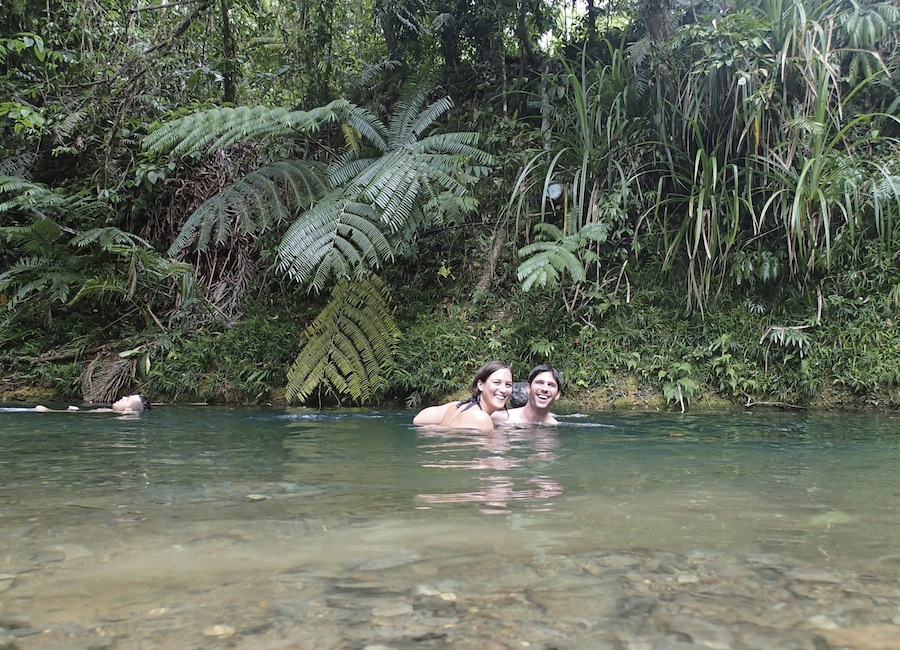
(202, 527)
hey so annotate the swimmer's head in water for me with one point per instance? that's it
(131, 404)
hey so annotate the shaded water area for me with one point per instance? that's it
(192, 527)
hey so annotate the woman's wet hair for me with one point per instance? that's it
(546, 367)
(145, 402)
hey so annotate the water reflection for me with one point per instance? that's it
(505, 465)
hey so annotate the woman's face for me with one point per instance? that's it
(129, 403)
(496, 389)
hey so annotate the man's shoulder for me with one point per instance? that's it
(509, 416)
(518, 416)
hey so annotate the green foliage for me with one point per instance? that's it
(547, 261)
(225, 363)
(258, 203)
(727, 221)
(677, 384)
(219, 128)
(334, 239)
(771, 152)
(340, 216)
(349, 347)
(23, 195)
(105, 264)
(440, 350)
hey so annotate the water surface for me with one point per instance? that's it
(194, 527)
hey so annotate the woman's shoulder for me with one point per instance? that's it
(432, 414)
(473, 418)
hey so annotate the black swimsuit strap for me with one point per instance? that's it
(469, 403)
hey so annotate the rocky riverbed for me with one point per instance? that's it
(233, 589)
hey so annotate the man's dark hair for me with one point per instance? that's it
(145, 402)
(546, 367)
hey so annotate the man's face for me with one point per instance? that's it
(543, 390)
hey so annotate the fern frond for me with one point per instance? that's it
(546, 261)
(462, 143)
(63, 130)
(350, 346)
(219, 128)
(39, 238)
(40, 276)
(409, 105)
(369, 126)
(267, 197)
(107, 238)
(110, 285)
(431, 113)
(16, 164)
(29, 196)
(329, 240)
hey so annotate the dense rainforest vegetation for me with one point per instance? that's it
(360, 201)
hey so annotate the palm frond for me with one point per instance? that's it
(428, 116)
(370, 71)
(63, 130)
(350, 346)
(461, 143)
(407, 111)
(369, 126)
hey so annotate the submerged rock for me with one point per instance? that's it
(830, 519)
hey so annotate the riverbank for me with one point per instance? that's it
(642, 354)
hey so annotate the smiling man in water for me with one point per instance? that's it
(544, 388)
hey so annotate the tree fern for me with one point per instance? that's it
(269, 196)
(350, 346)
(336, 238)
(219, 128)
(341, 222)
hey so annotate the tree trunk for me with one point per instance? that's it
(656, 19)
(450, 44)
(487, 278)
(230, 64)
(591, 22)
(388, 28)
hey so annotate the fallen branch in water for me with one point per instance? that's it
(784, 405)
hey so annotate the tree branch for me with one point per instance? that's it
(165, 6)
(182, 28)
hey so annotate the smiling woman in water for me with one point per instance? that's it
(127, 404)
(491, 388)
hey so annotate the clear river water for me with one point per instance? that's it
(206, 527)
